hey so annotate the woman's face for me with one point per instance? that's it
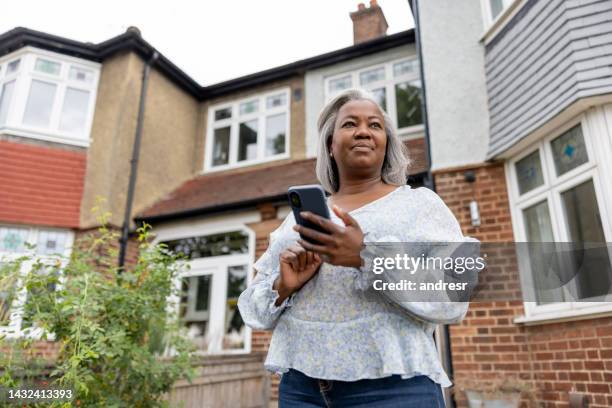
(359, 141)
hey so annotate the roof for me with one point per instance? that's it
(248, 187)
(227, 191)
(132, 40)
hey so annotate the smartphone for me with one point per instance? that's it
(308, 198)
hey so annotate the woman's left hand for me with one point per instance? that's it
(341, 245)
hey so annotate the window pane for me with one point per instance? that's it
(584, 226)
(37, 291)
(529, 172)
(5, 100)
(51, 242)
(275, 134)
(235, 329)
(408, 99)
(48, 67)
(539, 229)
(74, 112)
(247, 141)
(372, 75)
(275, 101)
(339, 84)
(496, 7)
(249, 107)
(569, 150)
(203, 293)
(13, 66)
(81, 75)
(380, 95)
(8, 289)
(203, 246)
(194, 308)
(224, 113)
(221, 142)
(537, 223)
(405, 67)
(40, 104)
(13, 239)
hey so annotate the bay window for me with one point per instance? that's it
(557, 190)
(248, 131)
(396, 86)
(47, 96)
(15, 242)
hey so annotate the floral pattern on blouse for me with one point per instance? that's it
(333, 328)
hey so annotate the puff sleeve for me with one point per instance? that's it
(257, 303)
(441, 237)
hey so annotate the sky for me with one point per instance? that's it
(212, 41)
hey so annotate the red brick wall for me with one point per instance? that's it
(556, 358)
(40, 185)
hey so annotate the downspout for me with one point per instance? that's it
(134, 162)
(429, 182)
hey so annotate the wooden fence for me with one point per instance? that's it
(232, 381)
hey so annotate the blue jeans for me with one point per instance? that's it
(297, 390)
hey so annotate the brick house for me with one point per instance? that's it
(503, 81)
(214, 166)
(68, 114)
(519, 102)
(240, 196)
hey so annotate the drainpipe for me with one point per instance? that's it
(134, 162)
(429, 181)
(444, 334)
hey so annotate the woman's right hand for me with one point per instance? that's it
(297, 266)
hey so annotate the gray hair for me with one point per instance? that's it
(396, 160)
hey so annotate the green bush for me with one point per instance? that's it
(120, 344)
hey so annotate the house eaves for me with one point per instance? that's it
(131, 40)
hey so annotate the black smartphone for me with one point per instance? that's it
(308, 198)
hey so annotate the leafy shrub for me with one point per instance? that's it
(120, 343)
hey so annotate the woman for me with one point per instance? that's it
(333, 345)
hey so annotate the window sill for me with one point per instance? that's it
(603, 310)
(501, 21)
(246, 164)
(48, 137)
(37, 335)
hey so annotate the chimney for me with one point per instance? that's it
(368, 22)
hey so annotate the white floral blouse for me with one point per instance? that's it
(330, 329)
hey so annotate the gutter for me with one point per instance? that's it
(134, 162)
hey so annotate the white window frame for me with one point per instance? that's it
(14, 329)
(551, 191)
(218, 267)
(487, 12)
(389, 84)
(234, 123)
(26, 74)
